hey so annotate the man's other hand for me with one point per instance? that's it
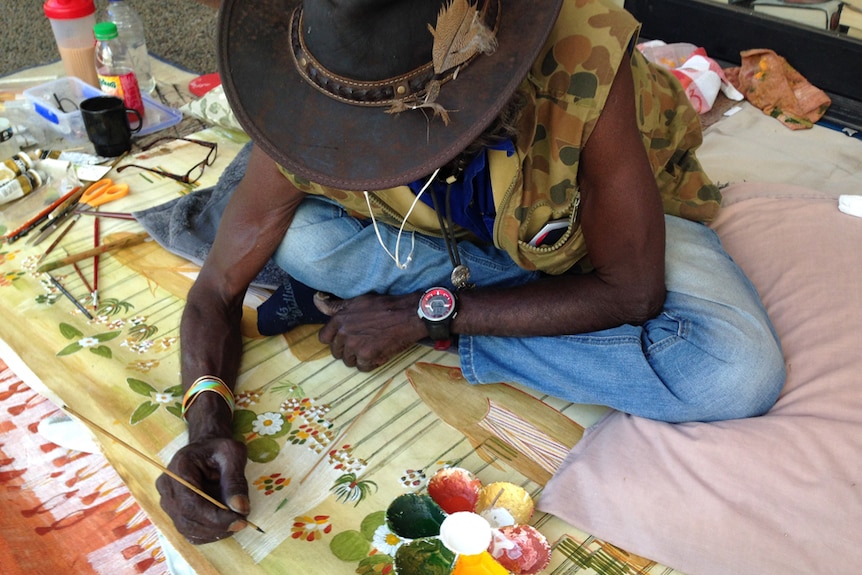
(367, 331)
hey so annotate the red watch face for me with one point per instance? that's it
(437, 304)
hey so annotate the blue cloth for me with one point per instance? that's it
(711, 354)
(471, 197)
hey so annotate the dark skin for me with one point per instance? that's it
(623, 224)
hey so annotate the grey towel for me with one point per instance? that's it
(187, 225)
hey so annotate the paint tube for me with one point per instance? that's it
(20, 186)
(15, 166)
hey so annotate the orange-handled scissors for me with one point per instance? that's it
(102, 192)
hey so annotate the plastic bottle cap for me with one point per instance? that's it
(69, 9)
(105, 31)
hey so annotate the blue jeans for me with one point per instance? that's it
(711, 354)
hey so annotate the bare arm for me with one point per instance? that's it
(623, 224)
(251, 229)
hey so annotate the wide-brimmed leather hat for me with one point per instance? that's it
(371, 94)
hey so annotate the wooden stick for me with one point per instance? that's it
(344, 432)
(158, 465)
(115, 245)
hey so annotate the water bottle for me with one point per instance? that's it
(114, 67)
(131, 30)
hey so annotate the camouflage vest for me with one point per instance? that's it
(567, 88)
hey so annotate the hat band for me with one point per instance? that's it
(411, 86)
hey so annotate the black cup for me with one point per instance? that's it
(106, 119)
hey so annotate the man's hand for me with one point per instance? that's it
(367, 331)
(216, 466)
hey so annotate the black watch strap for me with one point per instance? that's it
(439, 330)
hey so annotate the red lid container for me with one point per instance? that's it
(69, 9)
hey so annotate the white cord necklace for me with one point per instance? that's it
(395, 257)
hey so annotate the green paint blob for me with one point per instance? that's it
(424, 557)
(413, 516)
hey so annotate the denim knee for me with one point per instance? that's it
(756, 395)
(747, 392)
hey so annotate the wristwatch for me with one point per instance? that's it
(437, 307)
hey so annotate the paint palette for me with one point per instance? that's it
(462, 527)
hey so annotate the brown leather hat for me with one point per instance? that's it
(347, 94)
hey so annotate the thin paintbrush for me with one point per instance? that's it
(57, 240)
(71, 298)
(96, 241)
(114, 215)
(158, 465)
(83, 279)
(31, 224)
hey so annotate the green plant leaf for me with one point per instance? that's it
(344, 478)
(69, 349)
(143, 331)
(102, 351)
(141, 387)
(175, 390)
(143, 411)
(107, 336)
(175, 409)
(70, 332)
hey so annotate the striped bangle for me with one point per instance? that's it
(208, 383)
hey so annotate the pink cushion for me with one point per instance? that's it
(781, 493)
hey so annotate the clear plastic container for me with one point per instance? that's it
(67, 121)
(131, 30)
(72, 22)
(56, 103)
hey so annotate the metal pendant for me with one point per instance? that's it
(461, 277)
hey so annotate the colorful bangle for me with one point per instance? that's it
(208, 383)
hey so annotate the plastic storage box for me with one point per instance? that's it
(56, 102)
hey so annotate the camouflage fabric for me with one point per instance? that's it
(567, 88)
